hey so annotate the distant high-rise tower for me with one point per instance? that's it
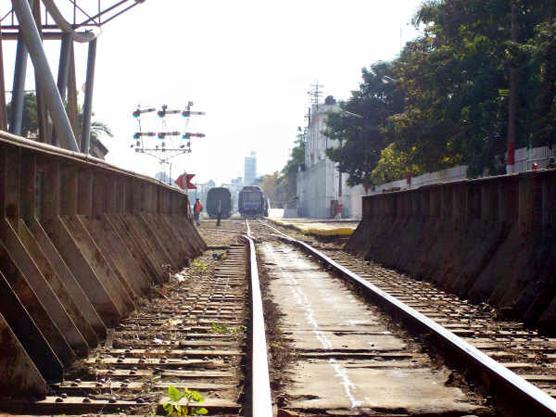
(250, 172)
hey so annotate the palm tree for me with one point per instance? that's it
(98, 128)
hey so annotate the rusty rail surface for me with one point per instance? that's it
(80, 242)
(512, 395)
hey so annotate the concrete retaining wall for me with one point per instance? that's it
(490, 240)
(80, 242)
(457, 173)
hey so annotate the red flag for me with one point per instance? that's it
(188, 184)
(184, 181)
(179, 181)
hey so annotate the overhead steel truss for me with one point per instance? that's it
(30, 22)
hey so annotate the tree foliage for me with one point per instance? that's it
(393, 165)
(358, 126)
(444, 100)
(297, 156)
(30, 122)
(286, 187)
(270, 185)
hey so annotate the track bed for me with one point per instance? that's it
(346, 357)
(191, 334)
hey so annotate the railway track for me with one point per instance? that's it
(524, 350)
(332, 352)
(411, 304)
(192, 333)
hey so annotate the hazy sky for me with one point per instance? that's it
(247, 63)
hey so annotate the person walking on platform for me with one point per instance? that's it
(197, 208)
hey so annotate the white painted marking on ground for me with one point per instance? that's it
(302, 300)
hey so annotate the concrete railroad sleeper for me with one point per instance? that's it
(511, 394)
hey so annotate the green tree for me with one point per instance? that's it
(456, 79)
(98, 128)
(30, 124)
(286, 189)
(393, 165)
(358, 127)
(447, 99)
(270, 185)
(297, 155)
(542, 49)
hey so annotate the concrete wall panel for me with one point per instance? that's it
(490, 240)
(80, 242)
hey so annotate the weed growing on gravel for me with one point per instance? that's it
(175, 407)
(199, 266)
(219, 328)
(223, 329)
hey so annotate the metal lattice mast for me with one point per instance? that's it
(30, 22)
(154, 143)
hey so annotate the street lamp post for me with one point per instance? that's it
(339, 208)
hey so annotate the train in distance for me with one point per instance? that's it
(252, 202)
(219, 199)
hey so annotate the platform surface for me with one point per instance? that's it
(320, 227)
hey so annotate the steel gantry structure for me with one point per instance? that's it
(29, 23)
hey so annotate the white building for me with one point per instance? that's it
(235, 186)
(250, 169)
(318, 188)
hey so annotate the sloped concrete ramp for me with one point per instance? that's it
(81, 242)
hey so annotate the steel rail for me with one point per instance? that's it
(261, 399)
(514, 396)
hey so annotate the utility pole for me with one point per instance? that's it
(308, 116)
(512, 106)
(315, 93)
